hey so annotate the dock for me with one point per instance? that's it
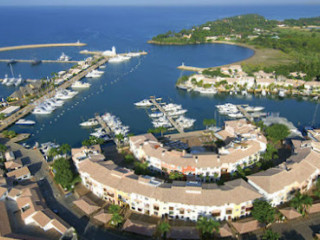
(158, 106)
(42, 61)
(104, 125)
(189, 68)
(101, 52)
(10, 48)
(245, 113)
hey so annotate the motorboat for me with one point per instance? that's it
(79, 84)
(185, 122)
(5, 80)
(156, 114)
(102, 67)
(144, 103)
(90, 123)
(41, 110)
(55, 102)
(94, 74)
(119, 59)
(177, 112)
(282, 93)
(64, 58)
(65, 94)
(22, 121)
(253, 109)
(235, 115)
(263, 92)
(207, 90)
(172, 107)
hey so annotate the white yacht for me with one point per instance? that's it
(282, 93)
(79, 84)
(177, 112)
(94, 74)
(64, 58)
(119, 59)
(54, 102)
(253, 109)
(41, 110)
(102, 67)
(172, 107)
(185, 122)
(156, 114)
(235, 115)
(90, 123)
(5, 80)
(263, 92)
(22, 121)
(144, 103)
(208, 91)
(65, 94)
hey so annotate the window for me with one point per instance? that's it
(156, 207)
(229, 211)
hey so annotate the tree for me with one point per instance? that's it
(209, 122)
(119, 137)
(63, 174)
(277, 132)
(161, 130)
(271, 152)
(114, 209)
(3, 148)
(116, 219)
(270, 235)
(207, 226)
(301, 202)
(129, 158)
(263, 211)
(9, 134)
(164, 228)
(175, 175)
(64, 148)
(53, 152)
(2, 116)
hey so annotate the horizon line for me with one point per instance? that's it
(159, 5)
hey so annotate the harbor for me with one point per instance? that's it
(51, 93)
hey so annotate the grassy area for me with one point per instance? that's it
(263, 57)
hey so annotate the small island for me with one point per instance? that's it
(281, 47)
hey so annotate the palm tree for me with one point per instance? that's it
(116, 219)
(301, 202)
(207, 226)
(114, 209)
(270, 235)
(209, 122)
(164, 228)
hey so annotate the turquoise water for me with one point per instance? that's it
(123, 84)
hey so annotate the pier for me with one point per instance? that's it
(174, 124)
(189, 68)
(245, 113)
(42, 61)
(104, 125)
(10, 48)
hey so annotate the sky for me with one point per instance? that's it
(150, 2)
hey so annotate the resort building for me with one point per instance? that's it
(298, 173)
(244, 145)
(180, 200)
(19, 174)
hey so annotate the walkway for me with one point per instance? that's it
(189, 68)
(245, 113)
